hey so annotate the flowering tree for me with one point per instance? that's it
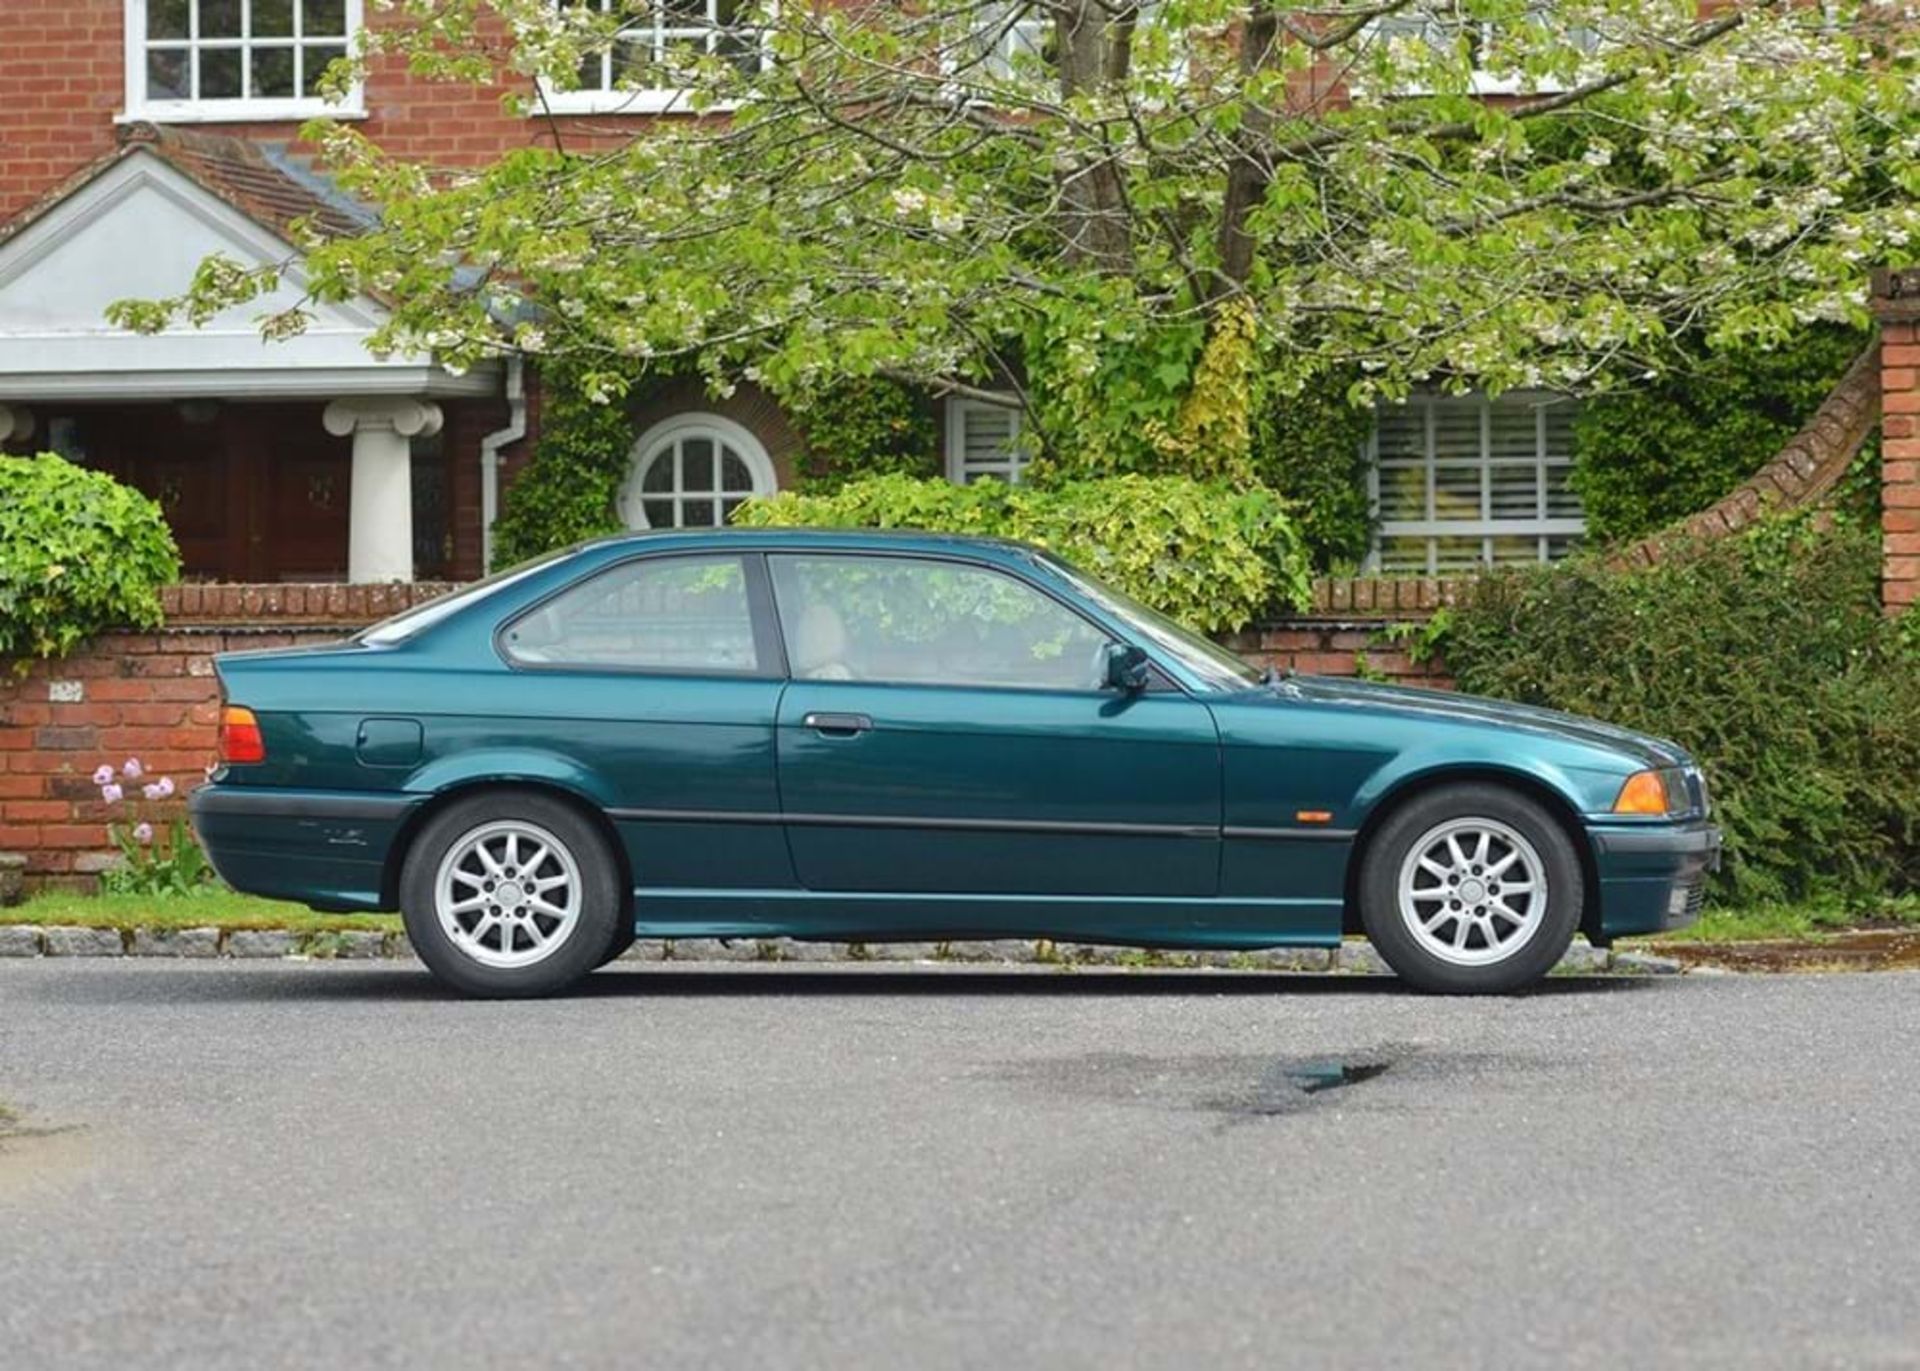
(1133, 216)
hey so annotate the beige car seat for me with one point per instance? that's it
(819, 647)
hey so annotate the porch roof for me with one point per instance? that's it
(135, 224)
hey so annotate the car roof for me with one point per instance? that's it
(839, 539)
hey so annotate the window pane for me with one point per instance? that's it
(219, 73)
(736, 474)
(682, 613)
(1456, 428)
(1404, 556)
(1508, 551)
(272, 73)
(167, 74)
(659, 473)
(1456, 492)
(1402, 431)
(1457, 554)
(1513, 429)
(1516, 490)
(660, 513)
(219, 19)
(315, 61)
(1562, 502)
(935, 623)
(324, 18)
(696, 464)
(272, 18)
(168, 18)
(696, 513)
(1403, 492)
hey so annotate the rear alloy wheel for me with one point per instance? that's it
(1471, 889)
(510, 894)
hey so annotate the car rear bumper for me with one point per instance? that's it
(1653, 877)
(326, 848)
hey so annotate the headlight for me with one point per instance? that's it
(1658, 793)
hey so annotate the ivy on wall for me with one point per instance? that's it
(869, 427)
(1648, 457)
(1310, 449)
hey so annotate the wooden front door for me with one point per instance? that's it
(252, 492)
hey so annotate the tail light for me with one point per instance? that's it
(240, 740)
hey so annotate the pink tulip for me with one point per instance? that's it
(152, 792)
(111, 793)
(143, 833)
(103, 774)
(165, 786)
(132, 769)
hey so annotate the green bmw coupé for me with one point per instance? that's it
(868, 736)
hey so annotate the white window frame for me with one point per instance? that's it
(668, 433)
(1482, 81)
(606, 99)
(1011, 468)
(223, 111)
(1541, 527)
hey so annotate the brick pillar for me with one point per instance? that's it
(1896, 302)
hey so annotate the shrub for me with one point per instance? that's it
(1765, 655)
(1646, 458)
(79, 553)
(1211, 556)
(869, 427)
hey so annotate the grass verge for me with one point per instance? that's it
(216, 909)
(1800, 922)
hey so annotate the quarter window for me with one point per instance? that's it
(1462, 481)
(658, 614)
(916, 621)
(235, 59)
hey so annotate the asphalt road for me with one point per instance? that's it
(335, 1165)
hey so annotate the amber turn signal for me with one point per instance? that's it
(1644, 793)
(240, 740)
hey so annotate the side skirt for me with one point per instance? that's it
(881, 916)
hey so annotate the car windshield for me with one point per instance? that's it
(1206, 660)
(408, 622)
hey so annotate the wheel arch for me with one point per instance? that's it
(1410, 788)
(451, 794)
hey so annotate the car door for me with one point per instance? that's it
(945, 730)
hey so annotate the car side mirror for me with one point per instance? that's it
(1127, 669)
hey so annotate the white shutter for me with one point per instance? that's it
(983, 440)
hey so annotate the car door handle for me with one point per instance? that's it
(838, 725)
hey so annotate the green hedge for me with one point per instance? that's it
(1211, 556)
(1768, 657)
(1647, 458)
(79, 553)
(1311, 449)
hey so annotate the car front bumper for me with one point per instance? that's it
(1653, 877)
(325, 848)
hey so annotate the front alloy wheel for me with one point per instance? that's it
(1471, 889)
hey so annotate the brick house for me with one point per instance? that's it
(138, 136)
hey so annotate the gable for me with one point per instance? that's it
(139, 229)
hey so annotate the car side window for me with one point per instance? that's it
(927, 622)
(657, 613)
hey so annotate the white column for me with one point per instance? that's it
(380, 527)
(15, 423)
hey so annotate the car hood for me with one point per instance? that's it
(1474, 709)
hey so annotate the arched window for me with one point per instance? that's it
(692, 471)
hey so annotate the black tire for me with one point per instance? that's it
(1427, 822)
(623, 938)
(596, 911)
